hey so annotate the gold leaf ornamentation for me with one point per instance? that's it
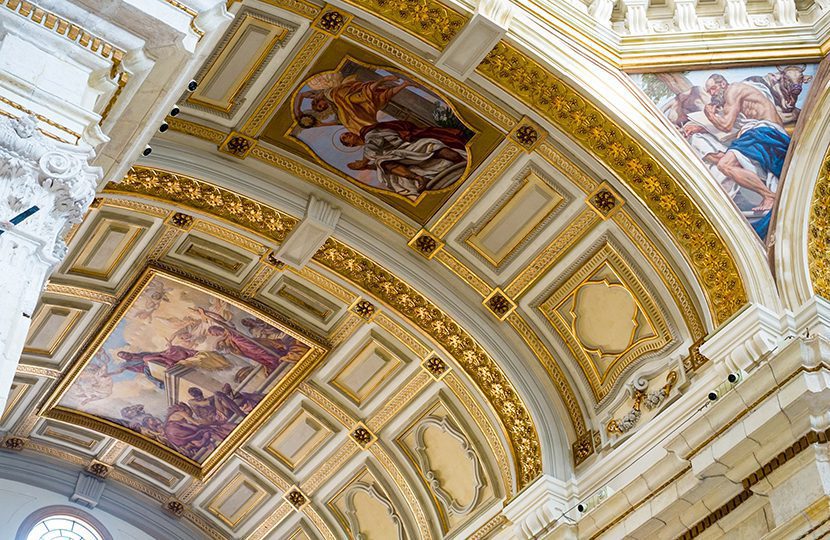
(818, 231)
(193, 193)
(487, 375)
(428, 20)
(703, 247)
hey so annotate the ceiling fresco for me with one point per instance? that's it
(181, 368)
(739, 122)
(382, 130)
(355, 292)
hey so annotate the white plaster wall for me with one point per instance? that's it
(18, 501)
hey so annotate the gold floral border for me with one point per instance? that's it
(480, 367)
(168, 187)
(526, 79)
(428, 20)
(818, 231)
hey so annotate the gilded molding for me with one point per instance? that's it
(667, 274)
(81, 292)
(459, 269)
(552, 367)
(323, 473)
(577, 228)
(239, 240)
(495, 523)
(818, 231)
(300, 7)
(137, 206)
(704, 249)
(37, 371)
(567, 167)
(429, 20)
(288, 78)
(427, 71)
(341, 293)
(266, 471)
(481, 368)
(190, 192)
(215, 136)
(353, 197)
(458, 388)
(383, 457)
(402, 335)
(393, 406)
(494, 170)
(345, 329)
(164, 242)
(267, 525)
(318, 522)
(311, 392)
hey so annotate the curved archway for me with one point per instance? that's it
(62, 522)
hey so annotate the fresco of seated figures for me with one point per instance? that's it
(383, 131)
(179, 367)
(740, 122)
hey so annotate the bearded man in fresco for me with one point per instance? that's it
(355, 103)
(761, 136)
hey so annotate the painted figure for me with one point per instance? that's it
(382, 130)
(739, 122)
(355, 104)
(408, 159)
(206, 374)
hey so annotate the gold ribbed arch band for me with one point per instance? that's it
(527, 80)
(818, 231)
(184, 191)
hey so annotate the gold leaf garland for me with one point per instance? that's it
(530, 82)
(818, 231)
(184, 190)
(487, 375)
(428, 20)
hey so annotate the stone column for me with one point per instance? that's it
(55, 178)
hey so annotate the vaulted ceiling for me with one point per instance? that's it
(469, 332)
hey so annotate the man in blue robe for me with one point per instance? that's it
(754, 159)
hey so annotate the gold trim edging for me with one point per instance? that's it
(184, 190)
(818, 231)
(487, 375)
(523, 77)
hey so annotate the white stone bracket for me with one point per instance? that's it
(310, 234)
(478, 37)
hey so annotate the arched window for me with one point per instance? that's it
(61, 523)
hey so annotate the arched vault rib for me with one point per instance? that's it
(368, 275)
(703, 246)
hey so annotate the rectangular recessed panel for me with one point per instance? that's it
(152, 468)
(239, 60)
(301, 436)
(50, 325)
(16, 393)
(203, 253)
(67, 434)
(237, 500)
(516, 218)
(363, 375)
(104, 248)
(292, 296)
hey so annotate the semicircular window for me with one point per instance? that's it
(63, 527)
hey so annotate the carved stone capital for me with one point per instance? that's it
(55, 177)
(744, 341)
(538, 507)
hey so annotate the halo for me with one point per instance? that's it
(339, 146)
